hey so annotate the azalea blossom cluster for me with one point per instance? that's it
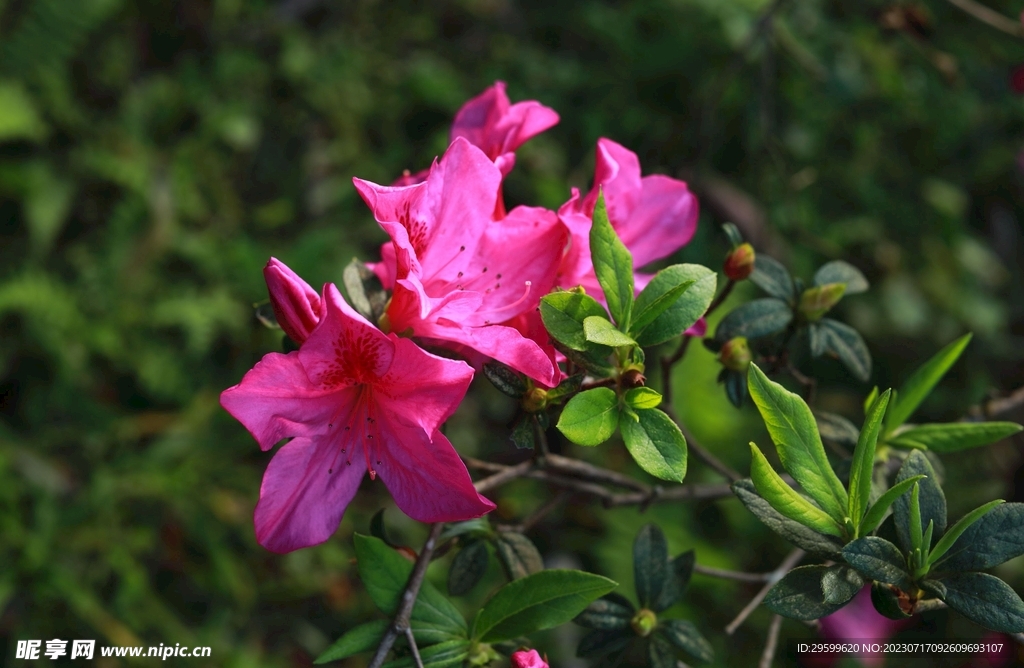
(464, 274)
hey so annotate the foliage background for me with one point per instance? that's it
(154, 155)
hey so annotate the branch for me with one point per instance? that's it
(789, 562)
(504, 473)
(703, 453)
(596, 473)
(772, 643)
(990, 16)
(539, 514)
(999, 406)
(739, 576)
(400, 624)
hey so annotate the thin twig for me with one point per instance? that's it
(703, 453)
(412, 645)
(539, 514)
(789, 562)
(400, 623)
(504, 473)
(694, 492)
(591, 472)
(772, 643)
(998, 406)
(990, 16)
(739, 576)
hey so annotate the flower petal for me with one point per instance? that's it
(499, 342)
(305, 491)
(296, 305)
(428, 480)
(617, 173)
(664, 220)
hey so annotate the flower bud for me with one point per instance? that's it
(739, 264)
(735, 354)
(632, 377)
(644, 622)
(296, 305)
(817, 301)
(535, 400)
(528, 659)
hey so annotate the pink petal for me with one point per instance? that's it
(301, 502)
(275, 400)
(529, 659)
(498, 342)
(489, 122)
(427, 479)
(295, 303)
(408, 179)
(617, 173)
(698, 329)
(664, 220)
(526, 120)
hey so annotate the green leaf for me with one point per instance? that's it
(773, 278)
(863, 465)
(538, 602)
(19, 118)
(733, 234)
(680, 570)
(598, 329)
(613, 265)
(785, 499)
(760, 317)
(378, 530)
(795, 433)
(986, 600)
(476, 527)
(442, 655)
(886, 602)
(872, 395)
(995, 538)
(590, 418)
(385, 573)
(735, 386)
(660, 653)
(876, 513)
(922, 381)
(838, 271)
(800, 595)
(836, 428)
(608, 613)
(932, 500)
(686, 637)
(364, 289)
(570, 385)
(563, 314)
(468, 566)
(679, 315)
(914, 520)
(650, 564)
(599, 643)
(815, 543)
(362, 638)
(955, 436)
(642, 398)
(505, 379)
(880, 560)
(656, 444)
(523, 434)
(840, 585)
(959, 528)
(518, 555)
(846, 343)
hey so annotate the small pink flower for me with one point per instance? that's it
(455, 271)
(529, 659)
(353, 400)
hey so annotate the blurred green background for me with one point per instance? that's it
(154, 154)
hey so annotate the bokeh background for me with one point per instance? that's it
(154, 154)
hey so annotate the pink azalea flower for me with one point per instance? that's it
(859, 621)
(455, 271)
(353, 400)
(529, 659)
(653, 215)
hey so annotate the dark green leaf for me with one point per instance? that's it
(985, 600)
(475, 527)
(863, 465)
(880, 560)
(377, 528)
(773, 278)
(932, 500)
(538, 602)
(442, 655)
(385, 573)
(686, 637)
(733, 234)
(840, 585)
(613, 265)
(650, 564)
(787, 500)
(590, 418)
(681, 314)
(680, 571)
(570, 385)
(847, 344)
(837, 429)
(795, 433)
(838, 271)
(887, 602)
(799, 595)
(599, 643)
(599, 330)
(361, 638)
(656, 444)
(523, 433)
(735, 386)
(468, 566)
(505, 379)
(934, 587)
(954, 436)
(921, 382)
(955, 531)
(608, 613)
(660, 653)
(995, 538)
(813, 542)
(563, 314)
(518, 555)
(760, 317)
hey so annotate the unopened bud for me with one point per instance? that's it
(817, 301)
(535, 400)
(632, 377)
(735, 354)
(739, 264)
(644, 622)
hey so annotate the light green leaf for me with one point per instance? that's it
(18, 116)
(642, 398)
(863, 465)
(922, 381)
(538, 602)
(598, 329)
(795, 433)
(876, 513)
(680, 314)
(590, 418)
(798, 534)
(361, 638)
(954, 436)
(785, 499)
(563, 314)
(613, 265)
(656, 444)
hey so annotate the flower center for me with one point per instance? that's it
(362, 431)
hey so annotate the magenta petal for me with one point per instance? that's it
(498, 342)
(526, 120)
(491, 123)
(422, 389)
(275, 400)
(296, 305)
(427, 479)
(664, 220)
(528, 659)
(617, 174)
(305, 491)
(698, 329)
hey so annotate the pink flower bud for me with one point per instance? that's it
(529, 659)
(740, 262)
(296, 304)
